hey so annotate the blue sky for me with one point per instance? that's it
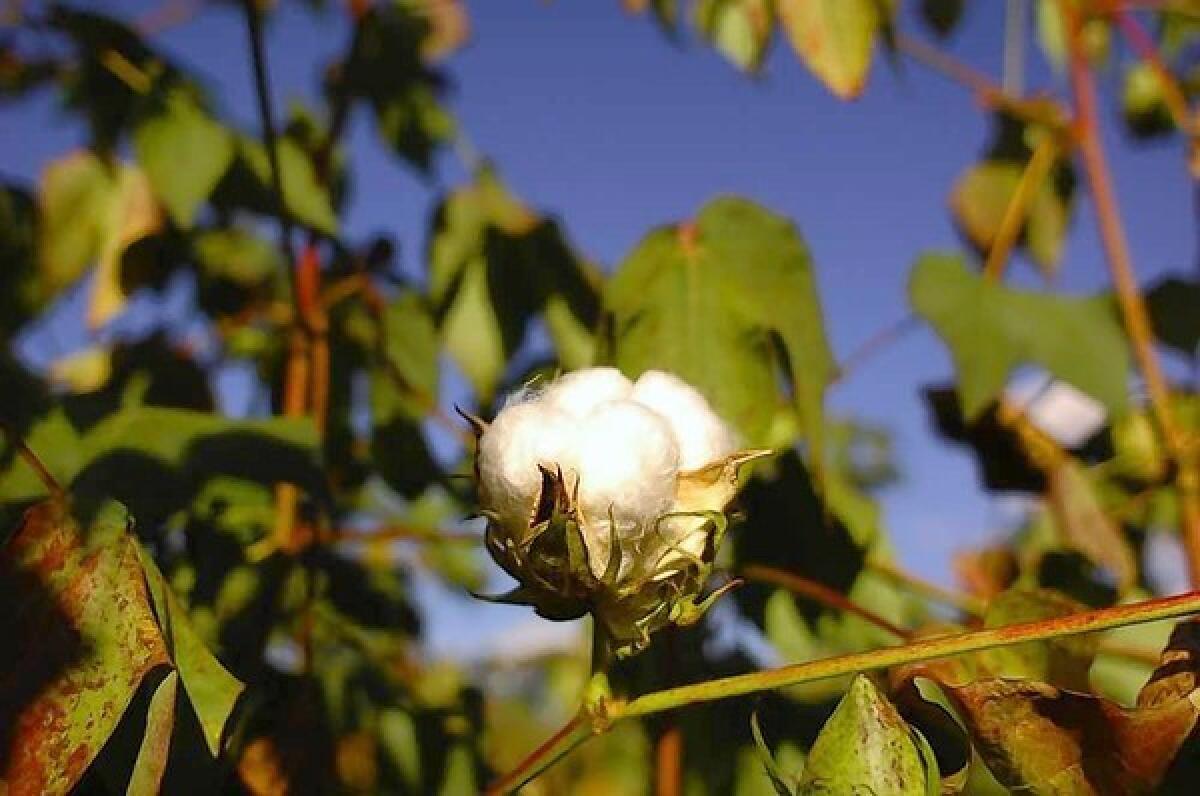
(596, 117)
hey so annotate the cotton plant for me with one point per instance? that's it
(607, 496)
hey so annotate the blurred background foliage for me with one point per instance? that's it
(267, 638)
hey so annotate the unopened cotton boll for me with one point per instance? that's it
(702, 436)
(579, 392)
(522, 436)
(627, 463)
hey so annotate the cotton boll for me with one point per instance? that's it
(628, 461)
(702, 436)
(521, 437)
(579, 392)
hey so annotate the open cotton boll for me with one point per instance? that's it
(579, 392)
(627, 462)
(702, 436)
(520, 438)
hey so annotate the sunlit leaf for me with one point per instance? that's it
(82, 636)
(834, 38)
(706, 300)
(210, 688)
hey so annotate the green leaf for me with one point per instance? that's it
(407, 379)
(184, 152)
(494, 266)
(19, 289)
(991, 329)
(210, 688)
(866, 747)
(237, 255)
(779, 780)
(1051, 33)
(156, 742)
(305, 198)
(174, 443)
(741, 30)
(80, 636)
(834, 38)
(706, 300)
(981, 198)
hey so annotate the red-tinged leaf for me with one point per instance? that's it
(80, 637)
(156, 743)
(1039, 739)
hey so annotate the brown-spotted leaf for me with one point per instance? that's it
(79, 637)
(1062, 661)
(1039, 739)
(1178, 672)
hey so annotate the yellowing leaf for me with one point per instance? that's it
(151, 762)
(834, 38)
(80, 636)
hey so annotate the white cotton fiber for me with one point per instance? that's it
(522, 436)
(628, 461)
(702, 436)
(579, 392)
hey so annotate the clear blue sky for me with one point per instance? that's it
(594, 116)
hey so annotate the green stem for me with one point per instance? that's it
(923, 650)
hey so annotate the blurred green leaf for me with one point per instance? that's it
(741, 30)
(834, 38)
(184, 152)
(305, 198)
(1064, 661)
(20, 293)
(708, 299)
(990, 329)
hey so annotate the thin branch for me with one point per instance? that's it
(570, 735)
(1014, 47)
(820, 593)
(1145, 49)
(874, 344)
(1129, 298)
(1032, 178)
(402, 533)
(33, 462)
(969, 605)
(940, 61)
(797, 674)
(267, 117)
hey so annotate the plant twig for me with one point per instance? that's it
(969, 605)
(1017, 210)
(940, 61)
(797, 674)
(820, 593)
(1014, 47)
(874, 344)
(1129, 298)
(33, 462)
(570, 735)
(1145, 49)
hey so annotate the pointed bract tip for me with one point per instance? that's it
(477, 423)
